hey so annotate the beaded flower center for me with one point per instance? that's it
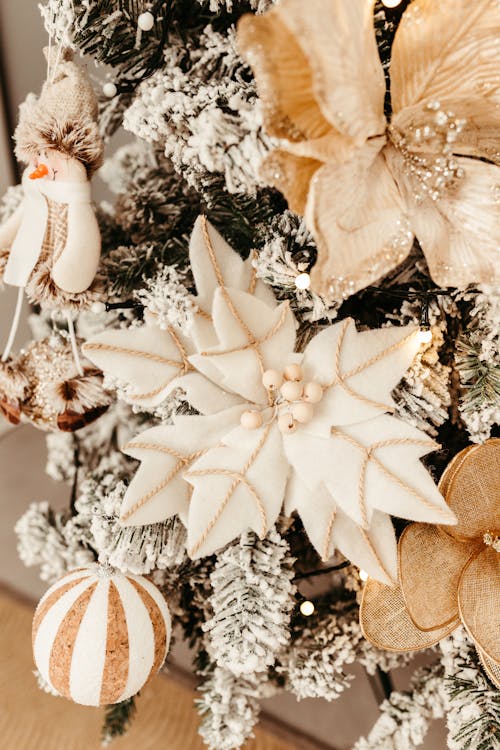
(427, 150)
(292, 401)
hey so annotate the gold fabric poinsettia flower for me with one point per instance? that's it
(447, 575)
(367, 186)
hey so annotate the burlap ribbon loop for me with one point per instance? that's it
(447, 575)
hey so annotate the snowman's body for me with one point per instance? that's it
(54, 225)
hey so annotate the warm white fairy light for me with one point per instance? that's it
(307, 608)
(303, 281)
(391, 3)
(363, 575)
(425, 335)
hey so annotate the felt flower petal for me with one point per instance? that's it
(147, 360)
(429, 560)
(386, 623)
(362, 234)
(158, 490)
(369, 466)
(238, 485)
(357, 370)
(478, 600)
(472, 490)
(214, 263)
(204, 395)
(329, 528)
(253, 338)
(443, 47)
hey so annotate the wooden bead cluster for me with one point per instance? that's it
(289, 391)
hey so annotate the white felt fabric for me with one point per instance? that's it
(146, 360)
(226, 266)
(338, 463)
(237, 486)
(89, 650)
(10, 227)
(75, 269)
(329, 528)
(240, 371)
(157, 478)
(27, 244)
(375, 382)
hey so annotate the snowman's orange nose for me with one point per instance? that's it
(40, 171)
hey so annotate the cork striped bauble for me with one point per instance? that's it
(100, 635)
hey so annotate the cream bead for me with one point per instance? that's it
(272, 379)
(250, 420)
(291, 391)
(286, 424)
(302, 412)
(313, 393)
(293, 372)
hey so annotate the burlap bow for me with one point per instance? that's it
(447, 574)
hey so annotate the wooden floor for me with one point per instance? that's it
(32, 720)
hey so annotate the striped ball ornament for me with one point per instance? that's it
(100, 635)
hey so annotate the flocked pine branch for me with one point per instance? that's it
(117, 720)
(251, 601)
(229, 707)
(406, 716)
(477, 360)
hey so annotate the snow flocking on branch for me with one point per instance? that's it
(251, 601)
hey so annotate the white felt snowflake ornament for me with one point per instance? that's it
(310, 430)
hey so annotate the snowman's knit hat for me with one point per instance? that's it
(63, 117)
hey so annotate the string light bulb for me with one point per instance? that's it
(109, 89)
(363, 575)
(146, 21)
(303, 281)
(307, 608)
(425, 335)
(391, 3)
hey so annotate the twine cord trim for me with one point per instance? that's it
(238, 478)
(182, 366)
(182, 461)
(328, 534)
(340, 378)
(252, 342)
(369, 455)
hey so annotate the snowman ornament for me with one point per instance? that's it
(50, 246)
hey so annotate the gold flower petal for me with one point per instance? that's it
(291, 175)
(283, 75)
(473, 492)
(430, 565)
(443, 47)
(386, 623)
(357, 217)
(338, 39)
(478, 601)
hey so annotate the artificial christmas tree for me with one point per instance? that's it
(293, 377)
